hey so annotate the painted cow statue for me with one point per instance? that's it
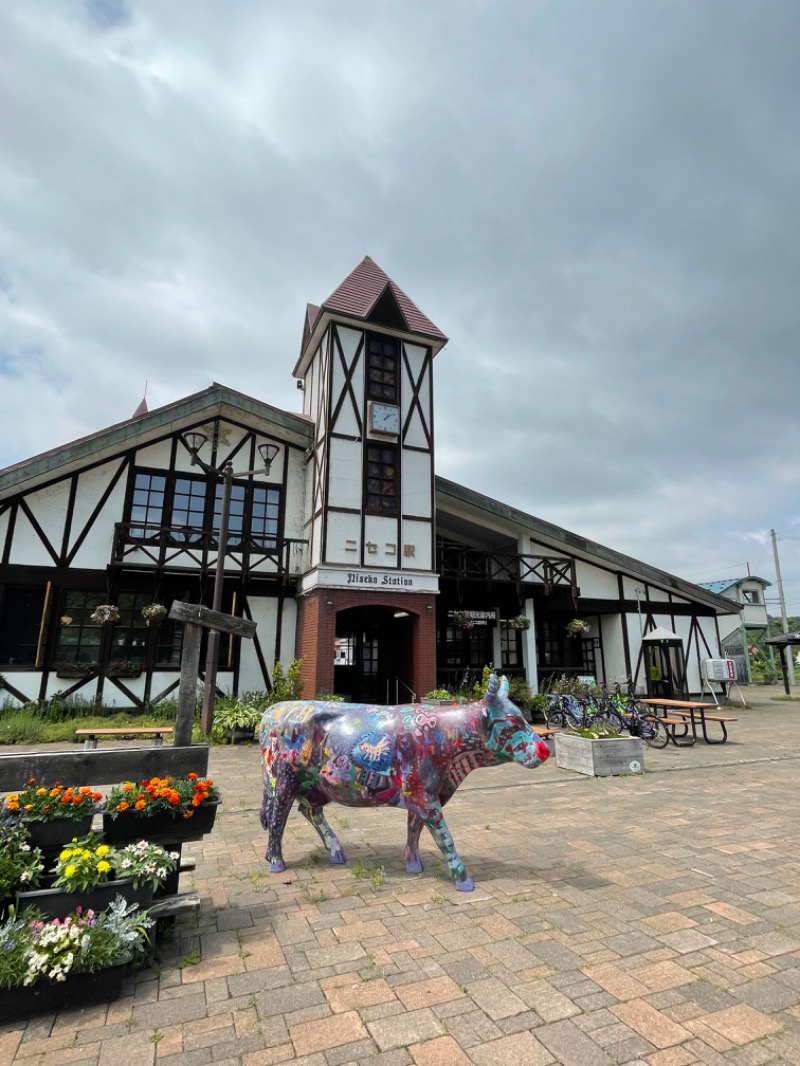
(413, 756)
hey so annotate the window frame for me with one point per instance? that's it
(392, 480)
(382, 381)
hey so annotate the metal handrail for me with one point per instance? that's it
(397, 683)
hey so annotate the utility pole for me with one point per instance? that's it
(786, 653)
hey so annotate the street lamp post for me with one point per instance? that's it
(194, 441)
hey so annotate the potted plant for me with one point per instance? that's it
(439, 697)
(463, 620)
(21, 864)
(124, 668)
(46, 966)
(104, 614)
(170, 809)
(53, 815)
(578, 627)
(154, 612)
(70, 670)
(520, 622)
(235, 720)
(90, 873)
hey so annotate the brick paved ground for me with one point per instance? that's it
(651, 919)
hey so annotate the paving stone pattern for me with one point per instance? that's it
(645, 919)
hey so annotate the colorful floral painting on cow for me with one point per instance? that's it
(409, 756)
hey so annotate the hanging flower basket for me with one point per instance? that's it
(104, 614)
(577, 627)
(520, 622)
(462, 620)
(153, 613)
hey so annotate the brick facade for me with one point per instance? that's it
(316, 634)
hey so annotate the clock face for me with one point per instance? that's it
(384, 418)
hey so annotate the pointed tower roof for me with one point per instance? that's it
(141, 409)
(369, 295)
(366, 288)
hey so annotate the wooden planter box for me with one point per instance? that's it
(605, 757)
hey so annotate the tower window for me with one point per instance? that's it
(382, 366)
(380, 493)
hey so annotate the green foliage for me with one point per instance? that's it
(232, 714)
(329, 697)
(439, 694)
(286, 685)
(571, 686)
(519, 692)
(19, 727)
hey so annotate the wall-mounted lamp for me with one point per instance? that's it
(301, 385)
(428, 606)
(329, 603)
(194, 441)
(401, 614)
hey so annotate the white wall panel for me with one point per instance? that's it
(382, 532)
(157, 455)
(417, 476)
(344, 534)
(345, 474)
(264, 610)
(595, 582)
(27, 549)
(420, 535)
(95, 551)
(49, 508)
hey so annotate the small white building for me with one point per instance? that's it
(349, 552)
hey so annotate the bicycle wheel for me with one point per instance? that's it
(653, 732)
(615, 722)
(556, 720)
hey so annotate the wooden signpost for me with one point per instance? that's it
(196, 619)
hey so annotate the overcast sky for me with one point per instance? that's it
(596, 200)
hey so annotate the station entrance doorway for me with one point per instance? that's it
(373, 655)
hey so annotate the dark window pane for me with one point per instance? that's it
(20, 621)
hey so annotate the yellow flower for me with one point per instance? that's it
(65, 854)
(70, 871)
(103, 867)
(85, 855)
(103, 850)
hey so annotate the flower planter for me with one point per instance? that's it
(77, 990)
(163, 827)
(53, 835)
(57, 903)
(603, 757)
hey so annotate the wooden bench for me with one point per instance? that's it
(156, 732)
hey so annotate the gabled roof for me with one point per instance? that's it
(579, 547)
(722, 586)
(370, 295)
(362, 290)
(215, 400)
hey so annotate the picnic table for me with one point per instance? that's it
(689, 714)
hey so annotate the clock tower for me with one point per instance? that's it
(366, 626)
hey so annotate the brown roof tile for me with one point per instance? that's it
(362, 289)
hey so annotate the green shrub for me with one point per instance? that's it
(288, 685)
(20, 727)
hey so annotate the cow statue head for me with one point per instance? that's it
(508, 735)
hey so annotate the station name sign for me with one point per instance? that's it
(379, 580)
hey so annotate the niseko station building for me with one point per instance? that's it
(343, 545)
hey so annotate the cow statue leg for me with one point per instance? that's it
(279, 795)
(434, 819)
(415, 823)
(411, 854)
(329, 839)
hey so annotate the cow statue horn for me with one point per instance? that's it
(411, 756)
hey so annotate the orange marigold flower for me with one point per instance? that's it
(122, 806)
(191, 777)
(41, 791)
(140, 804)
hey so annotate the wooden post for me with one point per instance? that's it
(187, 693)
(198, 618)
